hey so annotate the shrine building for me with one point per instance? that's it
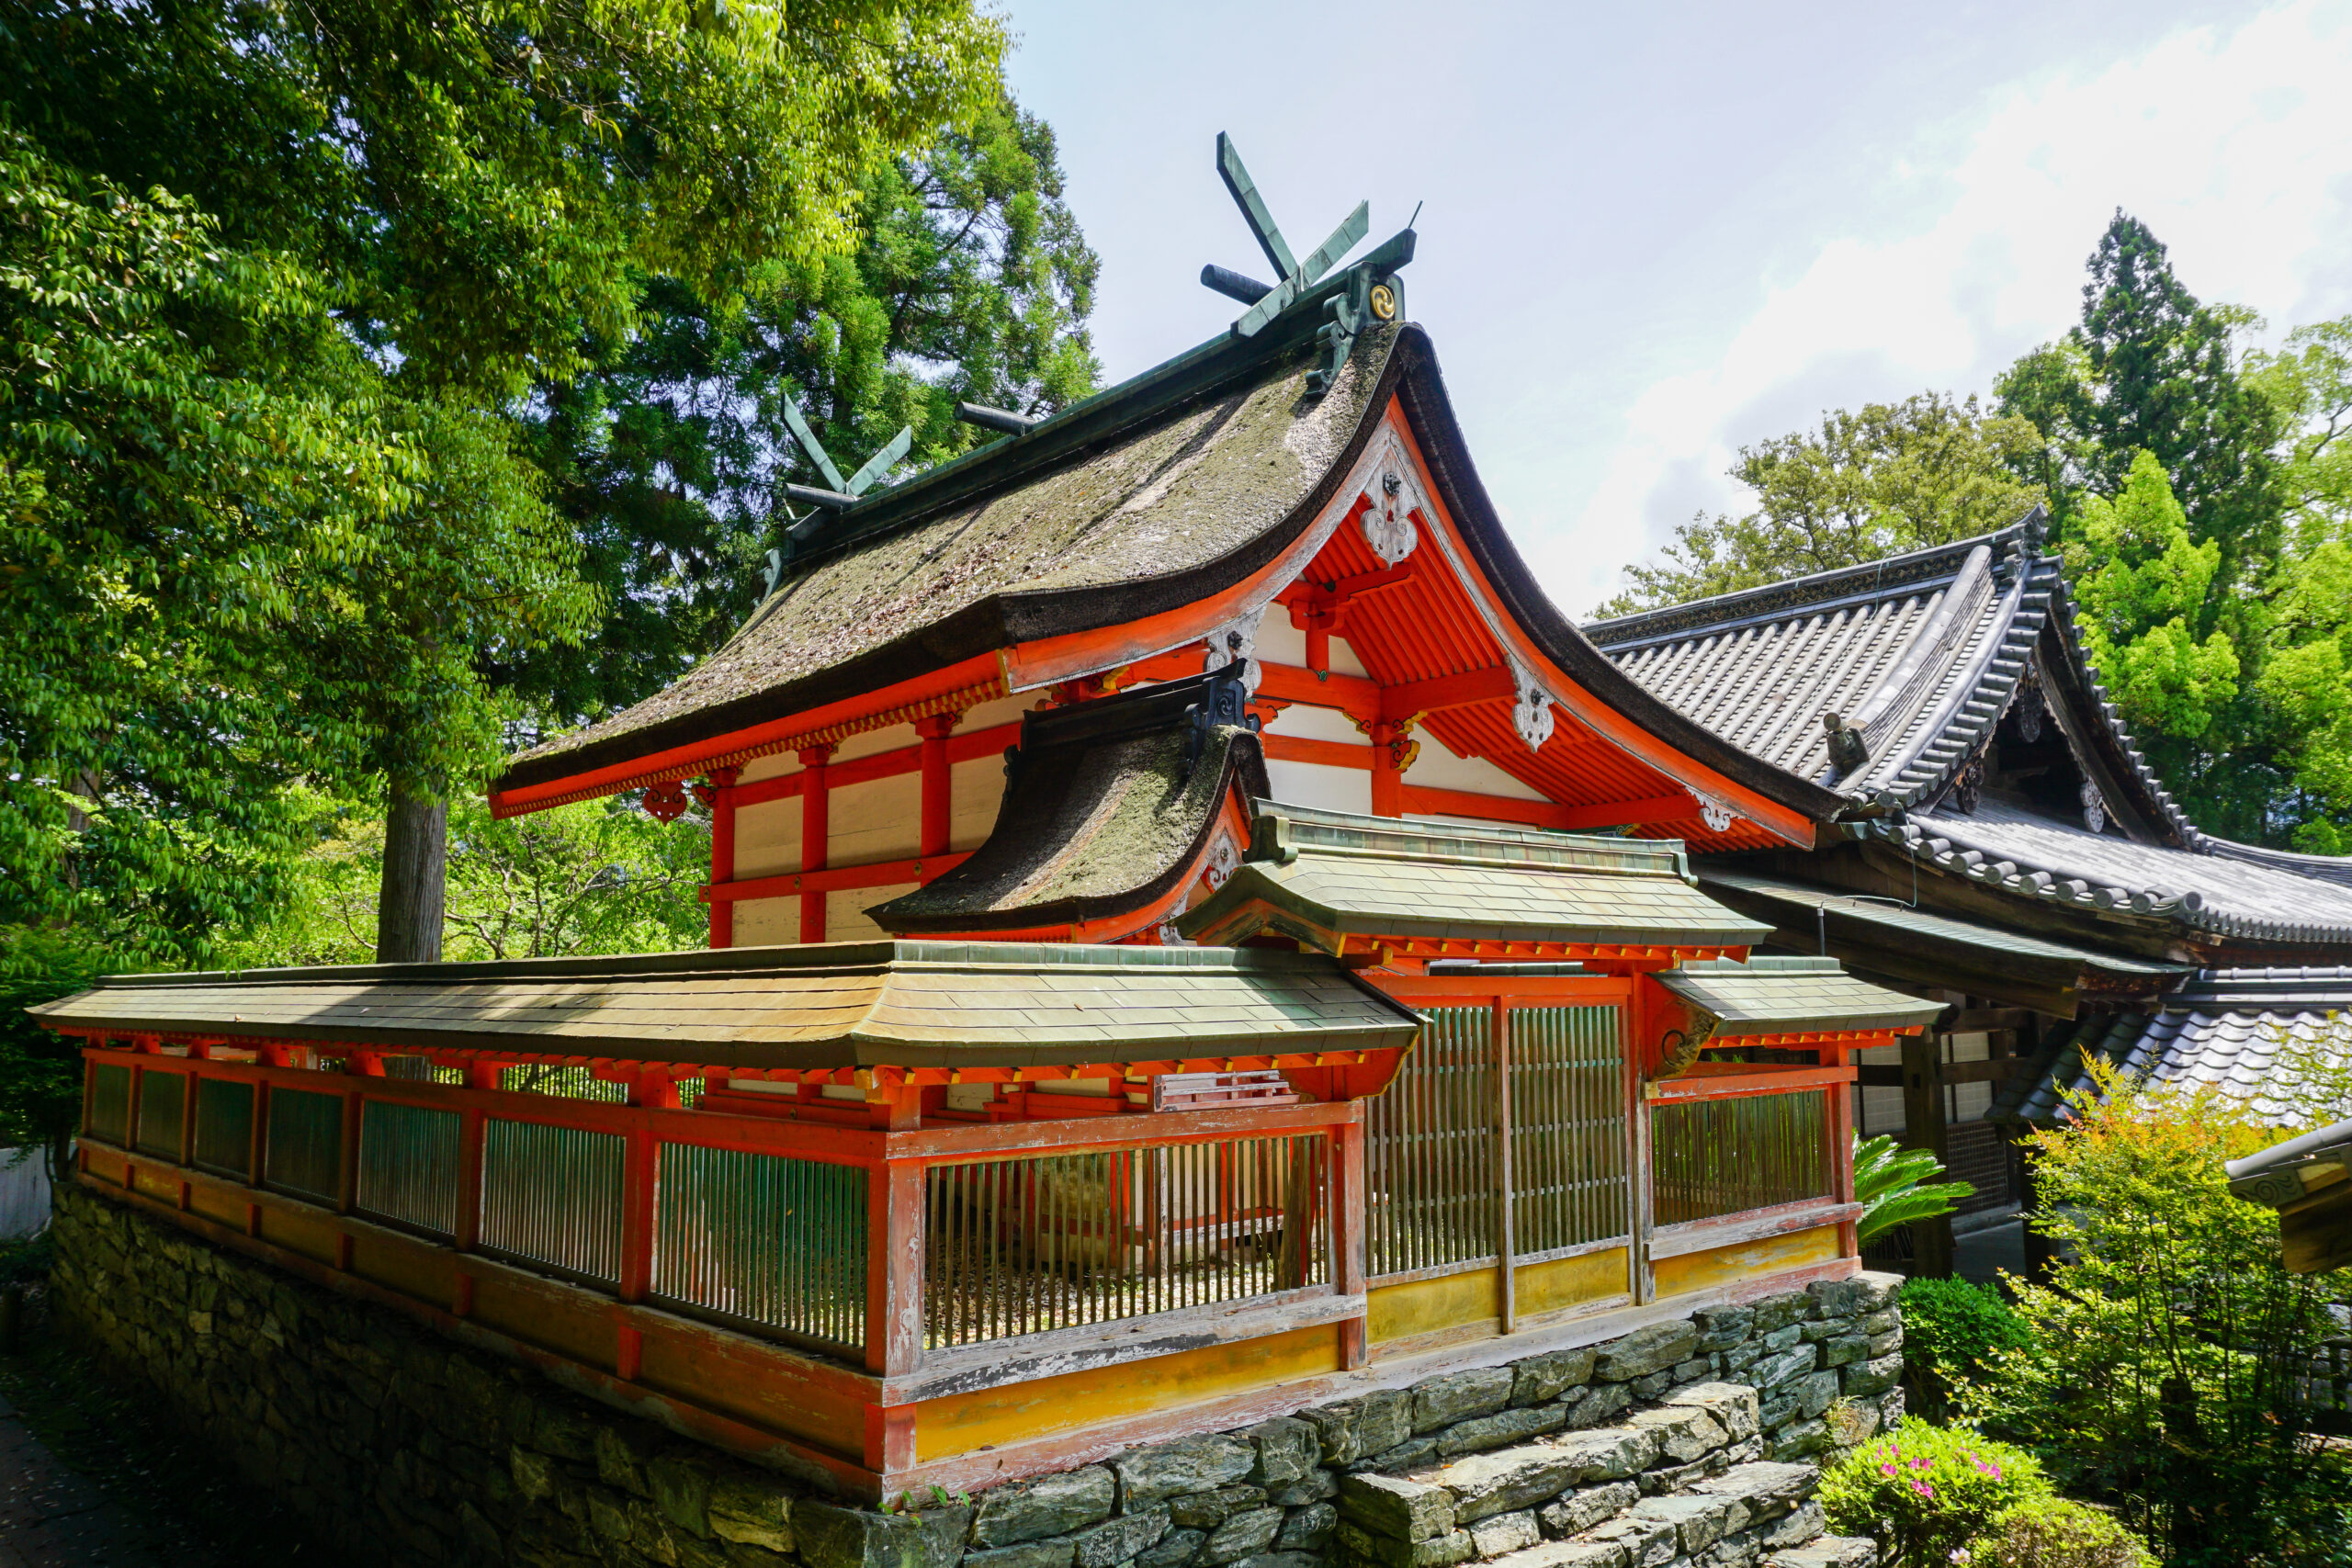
(1195, 935)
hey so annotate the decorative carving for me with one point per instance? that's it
(2276, 1188)
(1530, 714)
(1225, 859)
(1169, 936)
(1236, 642)
(2094, 807)
(1969, 785)
(666, 801)
(2029, 714)
(1717, 816)
(1682, 1049)
(1388, 521)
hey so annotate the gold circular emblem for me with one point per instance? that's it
(1384, 302)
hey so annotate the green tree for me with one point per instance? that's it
(486, 188)
(598, 876)
(2141, 582)
(2306, 676)
(2167, 1369)
(1889, 478)
(2151, 369)
(970, 280)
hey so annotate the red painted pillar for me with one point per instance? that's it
(1391, 752)
(937, 786)
(815, 826)
(722, 852)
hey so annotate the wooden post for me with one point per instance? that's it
(189, 1081)
(639, 1156)
(1841, 1160)
(346, 1179)
(722, 853)
(1632, 1024)
(1506, 1252)
(894, 1268)
(938, 787)
(258, 1154)
(1350, 1196)
(1923, 1128)
(1388, 749)
(816, 826)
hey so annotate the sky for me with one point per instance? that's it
(1653, 234)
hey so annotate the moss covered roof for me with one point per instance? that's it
(1124, 527)
(1110, 806)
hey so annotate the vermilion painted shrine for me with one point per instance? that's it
(1192, 922)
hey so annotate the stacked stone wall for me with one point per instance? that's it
(1691, 1442)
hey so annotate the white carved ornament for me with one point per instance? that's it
(1530, 711)
(1238, 640)
(1225, 859)
(1714, 813)
(1388, 521)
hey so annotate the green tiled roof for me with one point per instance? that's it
(1335, 873)
(1787, 996)
(845, 1004)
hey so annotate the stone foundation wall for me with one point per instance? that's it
(1690, 1442)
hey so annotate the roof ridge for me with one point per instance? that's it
(1717, 611)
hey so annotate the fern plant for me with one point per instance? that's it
(1896, 1186)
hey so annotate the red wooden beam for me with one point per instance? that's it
(835, 879)
(1323, 753)
(966, 748)
(1417, 697)
(1351, 695)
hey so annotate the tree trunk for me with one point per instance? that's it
(416, 849)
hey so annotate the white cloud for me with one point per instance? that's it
(2235, 146)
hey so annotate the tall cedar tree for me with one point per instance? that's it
(2152, 369)
(970, 281)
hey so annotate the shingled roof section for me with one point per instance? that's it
(906, 1004)
(1330, 874)
(1111, 803)
(1920, 654)
(1787, 996)
(2238, 1030)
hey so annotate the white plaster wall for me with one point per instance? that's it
(1279, 642)
(767, 838)
(767, 923)
(974, 790)
(880, 820)
(845, 917)
(1307, 723)
(1438, 767)
(1311, 783)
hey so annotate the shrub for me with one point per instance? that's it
(1896, 1186)
(2056, 1533)
(1950, 1331)
(1923, 1492)
(2168, 1368)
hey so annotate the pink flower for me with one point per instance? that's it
(1923, 1464)
(1923, 1488)
(1888, 1470)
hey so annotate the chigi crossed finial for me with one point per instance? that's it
(1373, 293)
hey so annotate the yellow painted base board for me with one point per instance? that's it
(963, 1422)
(1569, 1281)
(1729, 1265)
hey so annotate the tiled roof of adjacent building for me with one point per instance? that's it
(2019, 851)
(1919, 654)
(2238, 1030)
